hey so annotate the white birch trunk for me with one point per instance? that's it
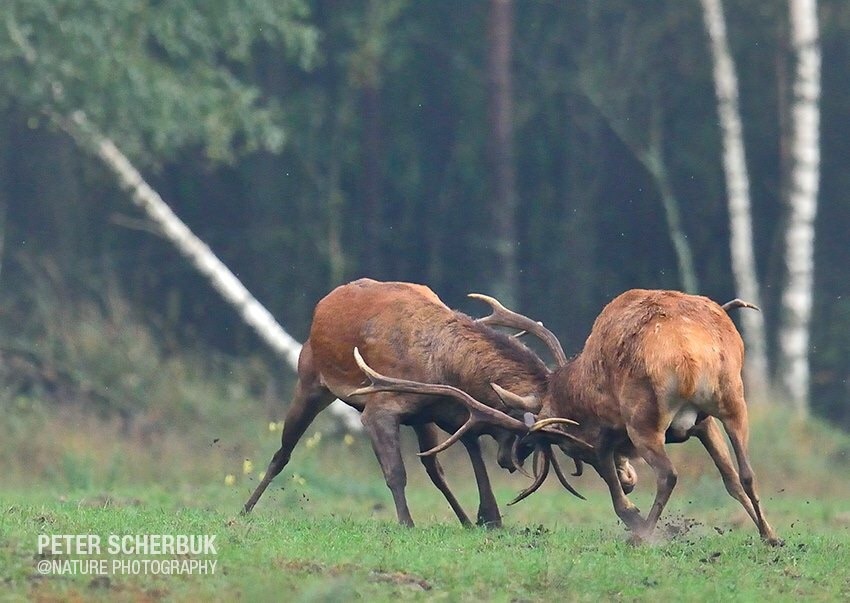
(802, 198)
(196, 251)
(738, 193)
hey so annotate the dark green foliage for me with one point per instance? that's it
(311, 142)
(157, 76)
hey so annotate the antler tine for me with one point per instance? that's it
(563, 478)
(542, 451)
(739, 303)
(564, 435)
(515, 458)
(551, 421)
(479, 413)
(508, 318)
(579, 468)
(535, 468)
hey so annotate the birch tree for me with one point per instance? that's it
(160, 88)
(627, 91)
(222, 279)
(801, 198)
(738, 194)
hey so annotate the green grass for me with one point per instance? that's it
(308, 554)
(197, 431)
(326, 531)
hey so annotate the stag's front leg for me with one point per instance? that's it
(650, 445)
(625, 509)
(428, 439)
(309, 400)
(382, 425)
(625, 473)
(488, 509)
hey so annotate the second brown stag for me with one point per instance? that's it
(405, 329)
(657, 367)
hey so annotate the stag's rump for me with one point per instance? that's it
(684, 348)
(369, 315)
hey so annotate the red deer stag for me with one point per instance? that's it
(403, 328)
(658, 366)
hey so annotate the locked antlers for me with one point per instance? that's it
(479, 414)
(503, 317)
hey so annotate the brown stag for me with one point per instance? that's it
(658, 366)
(405, 329)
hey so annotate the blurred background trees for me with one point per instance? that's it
(553, 153)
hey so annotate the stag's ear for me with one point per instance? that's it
(529, 403)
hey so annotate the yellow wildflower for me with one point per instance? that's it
(348, 440)
(229, 479)
(247, 466)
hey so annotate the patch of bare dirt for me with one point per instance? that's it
(397, 578)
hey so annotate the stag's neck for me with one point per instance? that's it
(579, 390)
(472, 356)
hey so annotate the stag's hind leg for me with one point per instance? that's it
(737, 427)
(309, 400)
(382, 425)
(711, 437)
(428, 435)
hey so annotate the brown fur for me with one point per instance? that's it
(649, 355)
(405, 329)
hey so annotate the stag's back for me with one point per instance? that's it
(404, 329)
(383, 320)
(682, 345)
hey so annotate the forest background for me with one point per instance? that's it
(551, 153)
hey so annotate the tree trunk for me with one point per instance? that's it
(802, 199)
(738, 193)
(649, 151)
(372, 179)
(653, 159)
(196, 251)
(5, 189)
(502, 168)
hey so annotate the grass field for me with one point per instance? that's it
(315, 557)
(326, 529)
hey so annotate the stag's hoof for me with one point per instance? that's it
(490, 524)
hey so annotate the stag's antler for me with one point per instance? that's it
(739, 303)
(559, 473)
(479, 413)
(501, 316)
(541, 453)
(542, 459)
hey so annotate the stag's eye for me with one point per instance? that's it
(523, 451)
